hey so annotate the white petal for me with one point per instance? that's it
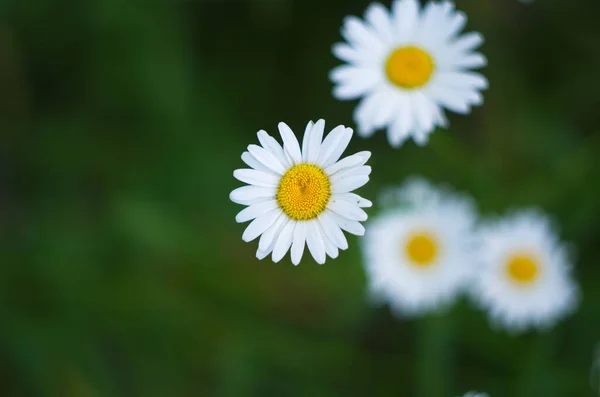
(266, 158)
(379, 19)
(447, 97)
(247, 195)
(428, 32)
(314, 144)
(307, 134)
(440, 117)
(330, 248)
(284, 240)
(385, 112)
(308, 128)
(365, 156)
(254, 163)
(356, 33)
(290, 143)
(260, 255)
(360, 84)
(347, 53)
(271, 144)
(471, 61)
(298, 242)
(349, 184)
(347, 210)
(259, 225)
(458, 22)
(332, 230)
(467, 42)
(256, 210)
(462, 80)
(330, 143)
(354, 199)
(337, 151)
(364, 113)
(353, 227)
(396, 134)
(423, 108)
(366, 76)
(400, 128)
(405, 14)
(350, 172)
(268, 237)
(314, 241)
(347, 162)
(473, 98)
(421, 137)
(257, 178)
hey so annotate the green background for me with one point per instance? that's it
(123, 272)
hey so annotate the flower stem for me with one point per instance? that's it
(435, 356)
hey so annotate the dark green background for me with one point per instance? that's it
(123, 272)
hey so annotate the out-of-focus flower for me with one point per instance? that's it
(297, 197)
(407, 65)
(418, 254)
(525, 278)
(475, 394)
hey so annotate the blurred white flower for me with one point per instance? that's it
(418, 255)
(302, 196)
(407, 65)
(475, 394)
(525, 278)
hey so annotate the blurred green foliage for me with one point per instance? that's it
(123, 272)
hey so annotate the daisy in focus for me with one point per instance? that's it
(525, 277)
(417, 256)
(408, 65)
(299, 197)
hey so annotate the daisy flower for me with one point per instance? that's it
(525, 277)
(407, 65)
(417, 255)
(475, 394)
(302, 196)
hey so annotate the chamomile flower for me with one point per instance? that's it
(525, 278)
(417, 255)
(407, 65)
(299, 197)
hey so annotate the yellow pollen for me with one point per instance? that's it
(522, 268)
(421, 249)
(409, 67)
(303, 192)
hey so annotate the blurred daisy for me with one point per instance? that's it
(297, 197)
(418, 255)
(525, 276)
(408, 64)
(475, 394)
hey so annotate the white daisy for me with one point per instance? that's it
(408, 64)
(525, 276)
(302, 196)
(475, 394)
(418, 255)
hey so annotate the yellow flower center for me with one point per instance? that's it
(409, 67)
(421, 249)
(303, 192)
(522, 268)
